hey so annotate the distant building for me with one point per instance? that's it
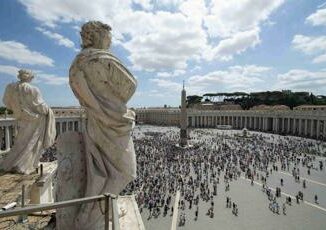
(158, 116)
(270, 107)
(216, 106)
(67, 111)
(310, 107)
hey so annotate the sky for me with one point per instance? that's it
(212, 45)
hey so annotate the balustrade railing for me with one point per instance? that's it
(107, 198)
(9, 127)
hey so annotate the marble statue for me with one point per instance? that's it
(36, 125)
(103, 86)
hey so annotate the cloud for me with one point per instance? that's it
(318, 18)
(175, 73)
(168, 44)
(51, 79)
(145, 4)
(244, 78)
(300, 79)
(194, 9)
(10, 70)
(233, 78)
(18, 52)
(168, 85)
(319, 59)
(52, 12)
(168, 34)
(40, 76)
(233, 16)
(58, 38)
(311, 45)
(152, 93)
(236, 44)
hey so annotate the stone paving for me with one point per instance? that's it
(253, 203)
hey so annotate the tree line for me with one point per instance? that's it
(248, 100)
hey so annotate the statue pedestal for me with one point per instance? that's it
(42, 190)
(132, 219)
(71, 182)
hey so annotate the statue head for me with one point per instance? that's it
(25, 75)
(95, 34)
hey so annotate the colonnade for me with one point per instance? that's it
(296, 123)
(67, 124)
(310, 124)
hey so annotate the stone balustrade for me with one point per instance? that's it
(9, 128)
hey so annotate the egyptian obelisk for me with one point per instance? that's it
(183, 119)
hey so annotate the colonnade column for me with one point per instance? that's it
(7, 138)
(311, 128)
(61, 127)
(305, 127)
(276, 125)
(318, 129)
(324, 129)
(289, 126)
(294, 125)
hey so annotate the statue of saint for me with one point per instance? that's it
(103, 86)
(36, 125)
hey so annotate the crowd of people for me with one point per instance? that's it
(197, 171)
(49, 154)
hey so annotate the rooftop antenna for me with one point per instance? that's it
(183, 84)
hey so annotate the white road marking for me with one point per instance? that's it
(175, 211)
(306, 202)
(312, 181)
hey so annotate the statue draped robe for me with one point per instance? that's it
(103, 86)
(36, 127)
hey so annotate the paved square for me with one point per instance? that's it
(164, 169)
